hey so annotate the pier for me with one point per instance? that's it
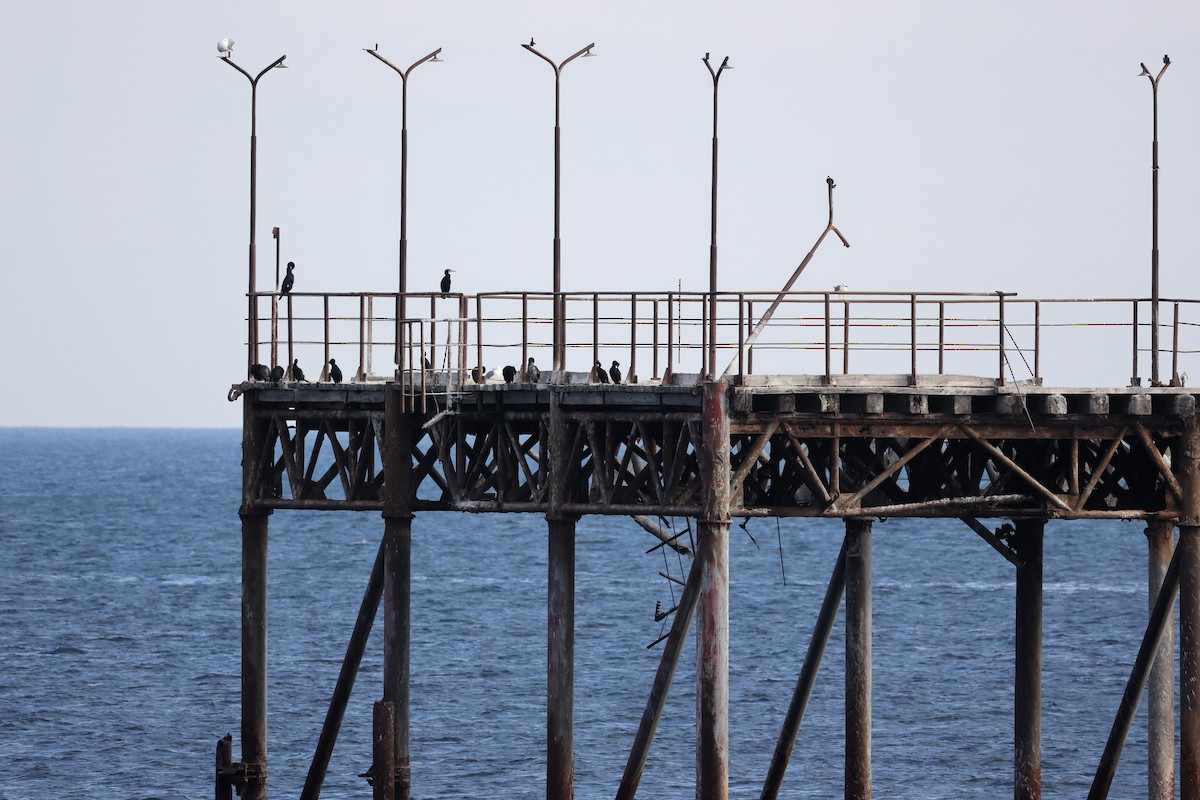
(695, 430)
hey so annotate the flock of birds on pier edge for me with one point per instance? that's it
(530, 373)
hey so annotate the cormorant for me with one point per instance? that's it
(288, 280)
(446, 282)
(276, 373)
(335, 372)
(297, 373)
(425, 362)
(477, 374)
(601, 375)
(532, 373)
(615, 372)
(510, 373)
(260, 372)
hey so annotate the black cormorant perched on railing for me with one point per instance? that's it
(335, 372)
(615, 372)
(289, 280)
(446, 282)
(260, 372)
(532, 373)
(510, 373)
(601, 375)
(297, 373)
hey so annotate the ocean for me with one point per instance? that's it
(120, 614)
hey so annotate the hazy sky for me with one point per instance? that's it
(977, 146)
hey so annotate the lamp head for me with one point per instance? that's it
(225, 47)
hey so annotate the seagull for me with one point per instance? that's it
(446, 282)
(615, 372)
(510, 373)
(260, 372)
(288, 280)
(297, 373)
(276, 373)
(841, 287)
(601, 375)
(532, 373)
(225, 47)
(335, 372)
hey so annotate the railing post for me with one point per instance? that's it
(1175, 347)
(670, 335)
(325, 366)
(941, 337)
(655, 375)
(633, 337)
(400, 349)
(362, 335)
(1037, 342)
(828, 363)
(750, 327)
(912, 326)
(595, 331)
(432, 333)
(1000, 340)
(741, 339)
(479, 334)
(291, 340)
(1134, 379)
(845, 337)
(370, 333)
(462, 339)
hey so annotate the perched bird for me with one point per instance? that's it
(601, 375)
(532, 373)
(260, 372)
(276, 373)
(335, 372)
(446, 282)
(841, 287)
(425, 362)
(288, 280)
(297, 373)
(491, 373)
(615, 372)
(225, 47)
(829, 180)
(531, 42)
(477, 374)
(510, 373)
(1166, 59)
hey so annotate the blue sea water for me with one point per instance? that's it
(120, 609)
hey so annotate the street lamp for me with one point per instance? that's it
(225, 48)
(559, 311)
(712, 248)
(1154, 79)
(401, 308)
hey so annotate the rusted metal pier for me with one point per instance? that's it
(436, 433)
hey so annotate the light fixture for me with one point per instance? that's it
(225, 47)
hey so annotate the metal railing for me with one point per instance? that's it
(996, 336)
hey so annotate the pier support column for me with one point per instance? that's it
(560, 661)
(560, 614)
(397, 643)
(858, 659)
(712, 613)
(1189, 614)
(254, 653)
(397, 581)
(1160, 538)
(1027, 694)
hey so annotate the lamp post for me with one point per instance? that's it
(225, 47)
(401, 306)
(559, 310)
(712, 248)
(1154, 79)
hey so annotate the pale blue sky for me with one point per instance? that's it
(976, 147)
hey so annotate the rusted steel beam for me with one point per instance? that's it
(1027, 691)
(994, 541)
(345, 681)
(560, 615)
(254, 653)
(658, 532)
(1033, 482)
(712, 621)
(383, 767)
(1164, 469)
(397, 643)
(858, 659)
(1152, 642)
(661, 686)
(750, 457)
(1160, 711)
(894, 468)
(807, 678)
(1188, 553)
(815, 483)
